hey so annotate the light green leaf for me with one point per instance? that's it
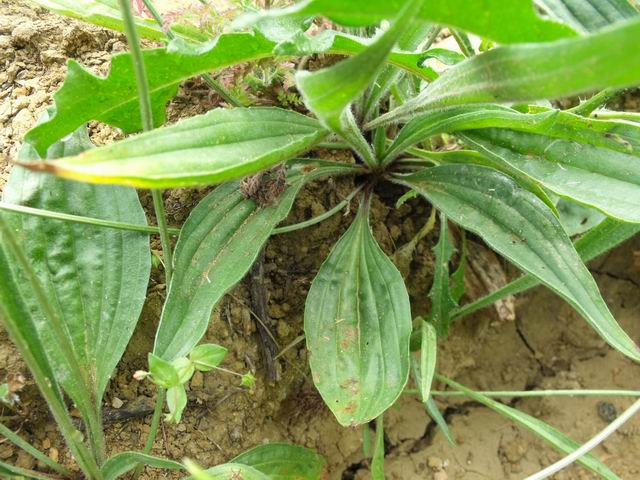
(588, 15)
(377, 461)
(207, 357)
(164, 373)
(549, 434)
(519, 226)
(104, 13)
(442, 302)
(428, 355)
(185, 369)
(217, 245)
(329, 92)
(357, 326)
(436, 416)
(215, 147)
(96, 278)
(176, 401)
(505, 22)
(597, 241)
(226, 471)
(577, 219)
(124, 462)
(280, 461)
(114, 99)
(520, 73)
(4, 393)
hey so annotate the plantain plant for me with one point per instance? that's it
(513, 166)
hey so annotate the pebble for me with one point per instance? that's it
(434, 463)
(54, 454)
(117, 403)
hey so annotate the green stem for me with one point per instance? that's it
(46, 385)
(606, 115)
(533, 393)
(319, 218)
(24, 473)
(596, 101)
(208, 79)
(153, 431)
(333, 145)
(146, 116)
(31, 450)
(98, 222)
(462, 39)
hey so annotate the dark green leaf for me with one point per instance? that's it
(280, 461)
(215, 147)
(207, 357)
(124, 462)
(588, 15)
(505, 22)
(436, 416)
(549, 434)
(357, 326)
(441, 301)
(217, 245)
(518, 225)
(597, 241)
(533, 72)
(96, 278)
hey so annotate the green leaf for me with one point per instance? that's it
(357, 326)
(104, 13)
(226, 471)
(96, 278)
(4, 394)
(215, 147)
(16, 473)
(377, 461)
(549, 434)
(176, 401)
(577, 219)
(280, 461)
(207, 357)
(436, 416)
(591, 162)
(597, 241)
(588, 15)
(164, 373)
(185, 369)
(442, 302)
(523, 73)
(519, 226)
(248, 380)
(329, 92)
(114, 99)
(428, 355)
(217, 245)
(124, 462)
(504, 22)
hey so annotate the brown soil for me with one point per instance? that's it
(547, 346)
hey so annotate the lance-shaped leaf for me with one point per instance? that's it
(553, 437)
(95, 278)
(226, 471)
(217, 245)
(504, 22)
(215, 147)
(607, 235)
(442, 303)
(114, 99)
(357, 325)
(588, 15)
(513, 73)
(124, 462)
(329, 92)
(591, 162)
(281, 461)
(519, 226)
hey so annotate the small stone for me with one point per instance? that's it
(53, 454)
(441, 475)
(117, 403)
(46, 443)
(434, 463)
(283, 329)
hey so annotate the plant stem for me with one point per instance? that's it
(319, 218)
(588, 446)
(31, 450)
(596, 101)
(605, 114)
(533, 393)
(153, 431)
(208, 79)
(98, 222)
(46, 384)
(146, 116)
(462, 39)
